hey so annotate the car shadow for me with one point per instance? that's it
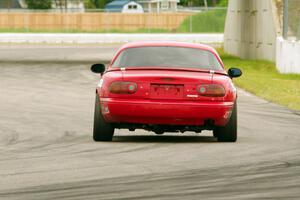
(164, 139)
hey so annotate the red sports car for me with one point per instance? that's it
(166, 87)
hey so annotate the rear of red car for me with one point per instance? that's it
(166, 97)
(167, 94)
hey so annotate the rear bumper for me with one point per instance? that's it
(165, 111)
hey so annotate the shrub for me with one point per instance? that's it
(38, 4)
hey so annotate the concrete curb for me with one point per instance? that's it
(106, 38)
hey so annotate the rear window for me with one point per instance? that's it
(163, 56)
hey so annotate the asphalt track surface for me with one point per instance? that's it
(47, 152)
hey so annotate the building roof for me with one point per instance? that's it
(155, 1)
(9, 4)
(116, 5)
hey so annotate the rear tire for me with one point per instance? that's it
(228, 133)
(102, 131)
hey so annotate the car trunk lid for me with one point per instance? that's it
(167, 84)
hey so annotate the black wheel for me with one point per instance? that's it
(102, 131)
(228, 133)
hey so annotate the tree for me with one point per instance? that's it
(201, 3)
(88, 4)
(61, 4)
(38, 4)
(223, 3)
(96, 4)
(205, 4)
(214, 3)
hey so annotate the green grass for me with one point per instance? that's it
(262, 79)
(212, 21)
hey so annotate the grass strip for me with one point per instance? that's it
(212, 21)
(262, 79)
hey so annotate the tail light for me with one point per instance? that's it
(211, 90)
(123, 88)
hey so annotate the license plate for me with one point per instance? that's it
(159, 91)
